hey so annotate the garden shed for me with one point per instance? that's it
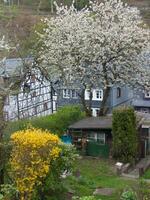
(92, 136)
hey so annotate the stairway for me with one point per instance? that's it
(138, 169)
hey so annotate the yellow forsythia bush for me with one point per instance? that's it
(32, 152)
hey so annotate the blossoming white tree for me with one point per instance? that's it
(97, 46)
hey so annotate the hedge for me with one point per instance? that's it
(56, 123)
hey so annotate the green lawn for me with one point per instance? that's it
(97, 173)
(147, 174)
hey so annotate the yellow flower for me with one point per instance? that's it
(33, 150)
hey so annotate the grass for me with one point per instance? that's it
(97, 173)
(147, 174)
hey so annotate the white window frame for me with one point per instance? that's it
(87, 94)
(93, 136)
(103, 137)
(94, 111)
(97, 112)
(66, 93)
(97, 94)
(119, 92)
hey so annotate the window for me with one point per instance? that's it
(147, 95)
(33, 78)
(26, 88)
(66, 93)
(101, 138)
(7, 100)
(144, 110)
(97, 112)
(96, 137)
(74, 94)
(118, 92)
(87, 94)
(97, 95)
(45, 106)
(35, 110)
(6, 116)
(91, 137)
(33, 94)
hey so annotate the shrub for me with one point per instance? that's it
(144, 190)
(52, 184)
(32, 153)
(128, 195)
(56, 123)
(8, 192)
(125, 138)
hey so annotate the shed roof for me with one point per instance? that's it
(106, 122)
(93, 123)
(141, 103)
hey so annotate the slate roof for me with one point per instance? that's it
(93, 123)
(13, 66)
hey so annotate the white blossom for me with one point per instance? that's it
(99, 45)
(3, 44)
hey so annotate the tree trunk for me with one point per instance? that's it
(103, 108)
(90, 101)
(52, 6)
(1, 176)
(86, 108)
(39, 6)
(2, 126)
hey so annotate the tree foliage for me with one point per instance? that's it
(96, 46)
(125, 136)
(32, 153)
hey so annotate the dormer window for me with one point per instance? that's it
(33, 78)
(118, 92)
(147, 95)
(26, 88)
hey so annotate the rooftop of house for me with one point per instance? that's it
(13, 66)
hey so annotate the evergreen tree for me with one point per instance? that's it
(125, 138)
